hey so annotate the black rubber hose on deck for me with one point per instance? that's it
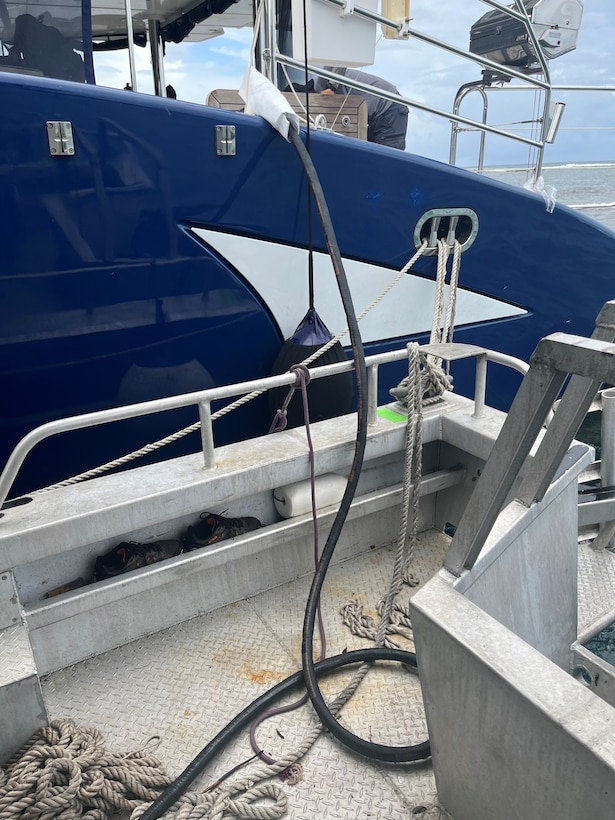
(396, 754)
(311, 669)
(241, 721)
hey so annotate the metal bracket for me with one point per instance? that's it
(590, 362)
(60, 138)
(452, 224)
(226, 145)
(404, 32)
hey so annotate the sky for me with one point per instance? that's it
(587, 130)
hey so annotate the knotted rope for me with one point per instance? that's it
(65, 772)
(364, 626)
(434, 381)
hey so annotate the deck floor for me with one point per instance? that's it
(184, 684)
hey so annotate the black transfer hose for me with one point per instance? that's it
(311, 669)
(396, 754)
(241, 721)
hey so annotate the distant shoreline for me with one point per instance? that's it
(555, 167)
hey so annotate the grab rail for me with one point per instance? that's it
(405, 32)
(204, 398)
(589, 362)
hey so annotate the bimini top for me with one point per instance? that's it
(23, 24)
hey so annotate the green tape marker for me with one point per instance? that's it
(390, 415)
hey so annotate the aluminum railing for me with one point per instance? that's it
(271, 57)
(203, 400)
(589, 362)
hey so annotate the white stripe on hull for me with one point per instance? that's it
(279, 274)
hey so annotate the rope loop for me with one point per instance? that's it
(434, 382)
(246, 807)
(302, 374)
(280, 420)
(65, 773)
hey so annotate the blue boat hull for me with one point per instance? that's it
(110, 290)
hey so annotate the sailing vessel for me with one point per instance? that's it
(153, 247)
(149, 263)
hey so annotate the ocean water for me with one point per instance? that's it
(603, 644)
(590, 187)
(580, 185)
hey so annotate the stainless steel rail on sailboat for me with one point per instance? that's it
(271, 57)
(204, 398)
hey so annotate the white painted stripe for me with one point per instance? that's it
(279, 274)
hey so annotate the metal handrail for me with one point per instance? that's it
(589, 362)
(387, 95)
(275, 57)
(204, 398)
(543, 85)
(461, 93)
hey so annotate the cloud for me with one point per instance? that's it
(429, 77)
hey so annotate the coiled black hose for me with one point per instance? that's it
(241, 721)
(311, 670)
(397, 754)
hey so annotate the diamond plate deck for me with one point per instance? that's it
(184, 684)
(596, 579)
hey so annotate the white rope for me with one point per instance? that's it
(410, 490)
(443, 321)
(425, 382)
(394, 618)
(370, 307)
(156, 445)
(449, 322)
(65, 772)
(434, 380)
(247, 805)
(443, 253)
(247, 797)
(364, 626)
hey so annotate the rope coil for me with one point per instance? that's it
(66, 772)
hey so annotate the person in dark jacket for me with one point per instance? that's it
(386, 120)
(44, 50)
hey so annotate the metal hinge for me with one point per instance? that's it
(60, 136)
(226, 145)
